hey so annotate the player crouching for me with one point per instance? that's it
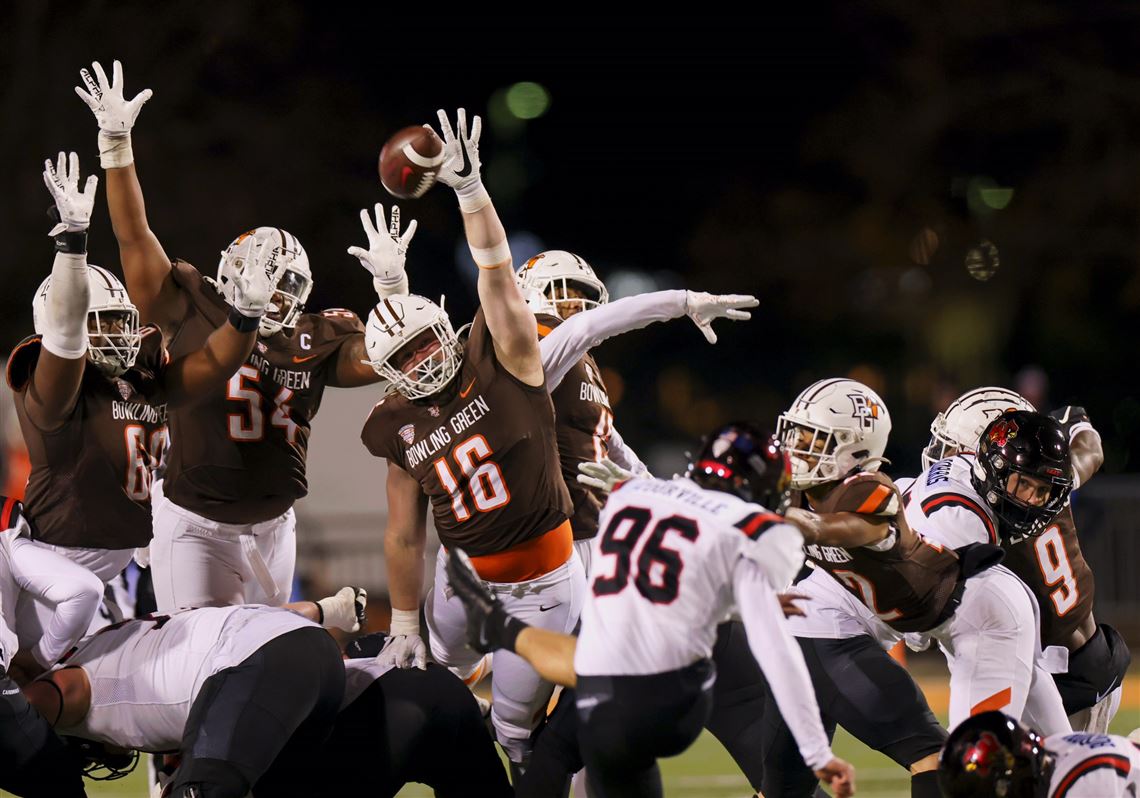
(673, 559)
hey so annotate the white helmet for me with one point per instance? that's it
(411, 321)
(958, 428)
(848, 424)
(552, 272)
(113, 337)
(293, 286)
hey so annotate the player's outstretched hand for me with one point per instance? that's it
(387, 250)
(489, 626)
(253, 283)
(404, 651)
(345, 610)
(839, 776)
(115, 115)
(604, 475)
(702, 308)
(72, 206)
(461, 164)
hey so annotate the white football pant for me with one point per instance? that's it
(585, 549)
(992, 645)
(197, 562)
(519, 694)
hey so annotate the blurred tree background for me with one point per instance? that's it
(849, 164)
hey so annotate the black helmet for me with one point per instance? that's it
(992, 754)
(742, 459)
(1022, 442)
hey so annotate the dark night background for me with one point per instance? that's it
(840, 165)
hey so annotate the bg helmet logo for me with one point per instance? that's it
(867, 411)
(530, 263)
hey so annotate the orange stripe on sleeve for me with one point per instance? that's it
(998, 700)
(872, 502)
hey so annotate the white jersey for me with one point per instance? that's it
(942, 505)
(1093, 766)
(663, 567)
(359, 674)
(145, 673)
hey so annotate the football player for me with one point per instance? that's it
(675, 557)
(994, 754)
(91, 391)
(235, 690)
(572, 295)
(471, 428)
(223, 514)
(872, 580)
(1014, 486)
(1051, 563)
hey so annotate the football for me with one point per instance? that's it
(410, 161)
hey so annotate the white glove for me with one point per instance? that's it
(603, 475)
(384, 258)
(461, 165)
(115, 115)
(74, 206)
(253, 285)
(404, 651)
(702, 308)
(345, 609)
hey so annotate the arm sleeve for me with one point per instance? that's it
(624, 456)
(576, 336)
(781, 661)
(68, 297)
(73, 590)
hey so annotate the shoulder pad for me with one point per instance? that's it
(546, 323)
(865, 494)
(757, 523)
(22, 361)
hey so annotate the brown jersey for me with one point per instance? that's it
(484, 450)
(906, 581)
(583, 421)
(1055, 570)
(90, 480)
(238, 454)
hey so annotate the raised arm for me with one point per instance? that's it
(146, 267)
(404, 552)
(509, 320)
(573, 338)
(847, 530)
(53, 389)
(1085, 447)
(624, 456)
(205, 370)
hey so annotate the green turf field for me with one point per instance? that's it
(705, 770)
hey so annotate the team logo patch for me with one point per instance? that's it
(262, 348)
(408, 433)
(1003, 432)
(433, 411)
(867, 411)
(124, 389)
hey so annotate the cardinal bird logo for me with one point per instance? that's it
(1003, 432)
(985, 755)
(408, 433)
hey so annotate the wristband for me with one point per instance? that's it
(512, 628)
(115, 151)
(473, 198)
(71, 242)
(243, 323)
(492, 257)
(404, 622)
(320, 613)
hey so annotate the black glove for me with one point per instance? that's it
(367, 646)
(489, 626)
(1070, 416)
